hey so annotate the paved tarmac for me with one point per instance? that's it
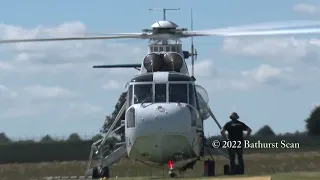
(126, 178)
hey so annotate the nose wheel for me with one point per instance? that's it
(172, 174)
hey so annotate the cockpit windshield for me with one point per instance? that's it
(172, 92)
(160, 93)
(142, 93)
(178, 93)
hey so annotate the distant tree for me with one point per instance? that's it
(74, 137)
(47, 139)
(96, 137)
(110, 119)
(265, 131)
(4, 138)
(26, 141)
(313, 122)
(298, 133)
(287, 134)
(304, 133)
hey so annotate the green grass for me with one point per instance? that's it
(256, 164)
(279, 176)
(297, 176)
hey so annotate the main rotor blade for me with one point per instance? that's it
(272, 25)
(258, 33)
(114, 36)
(270, 28)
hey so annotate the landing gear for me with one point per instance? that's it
(104, 155)
(172, 174)
(105, 172)
(100, 173)
(95, 173)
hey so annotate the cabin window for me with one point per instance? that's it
(192, 100)
(142, 93)
(173, 49)
(161, 48)
(131, 119)
(168, 48)
(130, 93)
(178, 93)
(160, 93)
(156, 49)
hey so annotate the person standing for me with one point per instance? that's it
(235, 129)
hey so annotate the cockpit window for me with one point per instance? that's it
(178, 93)
(129, 95)
(142, 93)
(160, 93)
(192, 99)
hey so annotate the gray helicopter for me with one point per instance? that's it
(164, 108)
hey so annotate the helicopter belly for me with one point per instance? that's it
(160, 148)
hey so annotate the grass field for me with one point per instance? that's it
(279, 176)
(256, 164)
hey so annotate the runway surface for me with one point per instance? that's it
(160, 178)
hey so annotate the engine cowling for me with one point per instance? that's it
(203, 99)
(163, 62)
(172, 62)
(153, 62)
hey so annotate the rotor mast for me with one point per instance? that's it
(164, 11)
(164, 26)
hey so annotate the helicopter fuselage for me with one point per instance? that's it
(162, 119)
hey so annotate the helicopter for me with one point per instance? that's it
(165, 109)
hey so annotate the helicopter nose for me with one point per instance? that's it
(163, 118)
(161, 131)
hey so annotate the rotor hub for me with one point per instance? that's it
(164, 25)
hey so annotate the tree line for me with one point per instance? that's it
(74, 137)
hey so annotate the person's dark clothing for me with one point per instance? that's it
(235, 130)
(232, 156)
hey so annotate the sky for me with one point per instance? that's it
(51, 88)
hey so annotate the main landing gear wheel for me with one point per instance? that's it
(172, 174)
(103, 173)
(95, 173)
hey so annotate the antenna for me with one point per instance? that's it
(192, 46)
(164, 10)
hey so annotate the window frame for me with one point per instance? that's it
(178, 82)
(187, 83)
(142, 83)
(154, 94)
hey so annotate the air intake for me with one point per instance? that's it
(172, 62)
(153, 62)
